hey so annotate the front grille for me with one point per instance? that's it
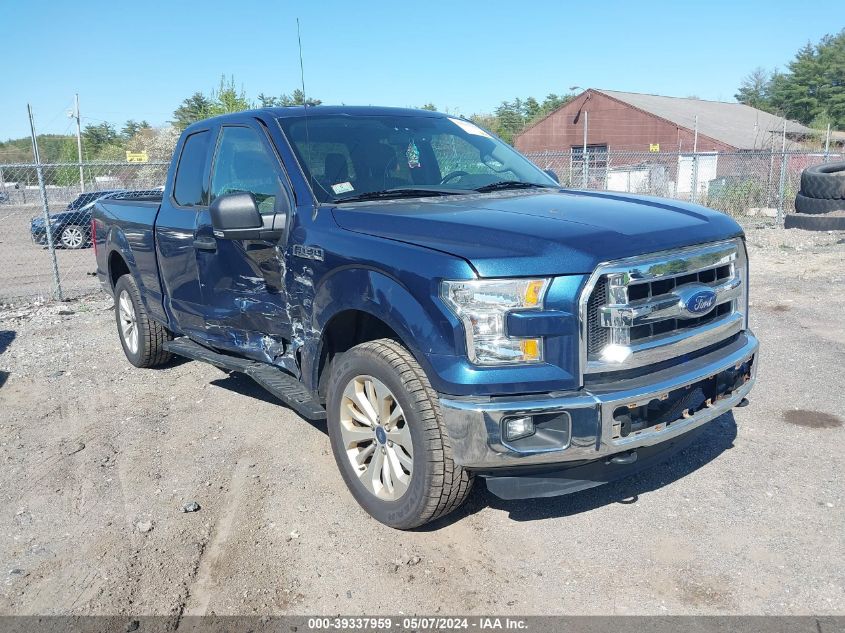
(637, 311)
(651, 289)
(597, 336)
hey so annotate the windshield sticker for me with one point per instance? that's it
(413, 155)
(469, 128)
(342, 187)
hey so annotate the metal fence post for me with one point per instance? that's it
(827, 144)
(47, 230)
(694, 194)
(585, 166)
(782, 185)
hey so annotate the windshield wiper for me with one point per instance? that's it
(403, 192)
(509, 184)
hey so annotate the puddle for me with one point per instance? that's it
(812, 419)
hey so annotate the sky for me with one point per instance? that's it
(139, 60)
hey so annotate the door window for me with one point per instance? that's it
(245, 164)
(190, 173)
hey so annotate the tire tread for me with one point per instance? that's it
(451, 484)
(153, 334)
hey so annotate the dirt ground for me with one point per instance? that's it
(98, 459)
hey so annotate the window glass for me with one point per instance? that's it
(243, 163)
(351, 156)
(456, 154)
(190, 173)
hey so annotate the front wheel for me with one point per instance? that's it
(388, 438)
(73, 237)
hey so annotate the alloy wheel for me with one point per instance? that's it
(72, 237)
(128, 321)
(376, 437)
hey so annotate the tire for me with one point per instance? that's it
(146, 347)
(805, 204)
(425, 484)
(825, 181)
(73, 237)
(817, 222)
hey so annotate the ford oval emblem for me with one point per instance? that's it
(701, 302)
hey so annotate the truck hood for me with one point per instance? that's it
(547, 232)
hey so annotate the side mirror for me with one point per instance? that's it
(235, 216)
(552, 174)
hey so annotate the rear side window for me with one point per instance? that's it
(189, 188)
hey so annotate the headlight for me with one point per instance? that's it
(483, 305)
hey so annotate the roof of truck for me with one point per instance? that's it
(298, 111)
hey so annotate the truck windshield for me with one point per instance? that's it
(358, 157)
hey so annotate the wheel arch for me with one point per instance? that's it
(362, 305)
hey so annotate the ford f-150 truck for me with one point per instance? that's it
(444, 304)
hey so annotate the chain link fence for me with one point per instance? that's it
(45, 219)
(45, 224)
(750, 186)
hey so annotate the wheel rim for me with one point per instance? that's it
(72, 237)
(376, 438)
(128, 321)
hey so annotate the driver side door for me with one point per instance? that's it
(242, 281)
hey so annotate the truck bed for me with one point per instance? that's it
(129, 221)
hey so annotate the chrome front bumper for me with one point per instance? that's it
(474, 425)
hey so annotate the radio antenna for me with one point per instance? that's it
(301, 66)
(305, 110)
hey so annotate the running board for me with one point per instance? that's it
(282, 385)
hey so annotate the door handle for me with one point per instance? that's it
(205, 244)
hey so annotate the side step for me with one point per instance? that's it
(282, 385)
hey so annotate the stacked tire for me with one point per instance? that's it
(820, 204)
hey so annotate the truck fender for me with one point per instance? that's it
(383, 297)
(117, 242)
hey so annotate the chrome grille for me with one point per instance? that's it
(637, 311)
(597, 336)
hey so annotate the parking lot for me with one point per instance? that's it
(26, 268)
(98, 459)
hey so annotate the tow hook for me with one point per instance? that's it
(623, 458)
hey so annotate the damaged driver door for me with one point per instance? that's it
(243, 280)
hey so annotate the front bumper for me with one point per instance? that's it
(586, 424)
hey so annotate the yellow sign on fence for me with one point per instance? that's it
(654, 147)
(137, 157)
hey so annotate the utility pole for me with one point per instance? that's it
(48, 230)
(76, 116)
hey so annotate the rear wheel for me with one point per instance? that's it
(73, 237)
(388, 439)
(142, 338)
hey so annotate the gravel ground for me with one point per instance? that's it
(99, 460)
(26, 268)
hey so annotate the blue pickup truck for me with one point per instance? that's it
(445, 305)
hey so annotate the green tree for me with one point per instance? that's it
(267, 102)
(97, 137)
(754, 90)
(509, 120)
(227, 98)
(429, 106)
(532, 108)
(195, 108)
(812, 86)
(132, 127)
(297, 98)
